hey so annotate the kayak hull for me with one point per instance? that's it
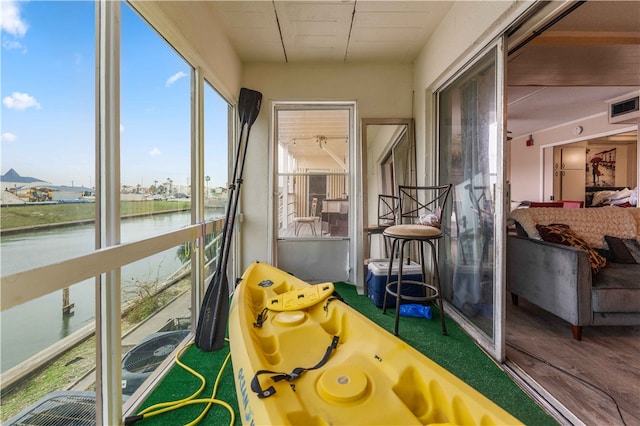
(371, 377)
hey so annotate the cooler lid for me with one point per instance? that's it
(381, 267)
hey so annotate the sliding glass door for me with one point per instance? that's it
(470, 137)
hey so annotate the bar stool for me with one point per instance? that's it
(418, 221)
(387, 209)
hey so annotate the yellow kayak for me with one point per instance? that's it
(301, 356)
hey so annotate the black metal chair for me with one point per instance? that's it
(419, 210)
(387, 210)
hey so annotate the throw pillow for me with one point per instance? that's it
(624, 251)
(520, 231)
(634, 248)
(561, 234)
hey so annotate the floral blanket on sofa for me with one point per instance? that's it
(592, 224)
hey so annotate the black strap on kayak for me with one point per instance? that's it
(297, 372)
(334, 296)
(262, 316)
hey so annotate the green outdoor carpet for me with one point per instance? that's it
(456, 352)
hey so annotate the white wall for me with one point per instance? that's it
(468, 27)
(379, 90)
(530, 180)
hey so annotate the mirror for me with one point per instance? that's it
(388, 160)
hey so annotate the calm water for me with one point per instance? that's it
(29, 328)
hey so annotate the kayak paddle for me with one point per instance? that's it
(214, 312)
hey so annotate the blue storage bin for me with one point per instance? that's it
(377, 279)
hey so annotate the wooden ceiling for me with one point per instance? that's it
(565, 73)
(328, 30)
(598, 44)
(569, 71)
(321, 135)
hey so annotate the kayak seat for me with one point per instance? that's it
(418, 221)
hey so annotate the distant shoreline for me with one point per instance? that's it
(87, 218)
(79, 222)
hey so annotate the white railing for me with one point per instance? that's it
(19, 288)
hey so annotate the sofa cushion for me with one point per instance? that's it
(616, 289)
(623, 250)
(635, 214)
(561, 234)
(589, 224)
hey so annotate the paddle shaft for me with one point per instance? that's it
(232, 205)
(212, 324)
(232, 217)
(248, 109)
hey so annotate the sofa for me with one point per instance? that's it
(582, 265)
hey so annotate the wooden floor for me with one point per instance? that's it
(597, 378)
(304, 231)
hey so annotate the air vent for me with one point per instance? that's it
(624, 110)
(63, 408)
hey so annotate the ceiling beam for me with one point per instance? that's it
(586, 38)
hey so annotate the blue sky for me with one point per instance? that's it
(48, 99)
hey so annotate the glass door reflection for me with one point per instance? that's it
(470, 124)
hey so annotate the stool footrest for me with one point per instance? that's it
(433, 290)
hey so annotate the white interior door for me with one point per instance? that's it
(572, 173)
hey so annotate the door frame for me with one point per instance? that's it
(354, 270)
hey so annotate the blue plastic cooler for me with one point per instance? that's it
(377, 279)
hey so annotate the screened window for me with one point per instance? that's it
(48, 165)
(313, 172)
(216, 158)
(47, 162)
(155, 133)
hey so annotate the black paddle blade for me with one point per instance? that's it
(249, 106)
(212, 324)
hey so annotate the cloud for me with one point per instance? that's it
(154, 152)
(177, 76)
(20, 101)
(10, 19)
(12, 44)
(9, 137)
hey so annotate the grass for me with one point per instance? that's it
(20, 216)
(71, 366)
(74, 364)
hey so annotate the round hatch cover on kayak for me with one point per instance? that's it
(343, 384)
(290, 317)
